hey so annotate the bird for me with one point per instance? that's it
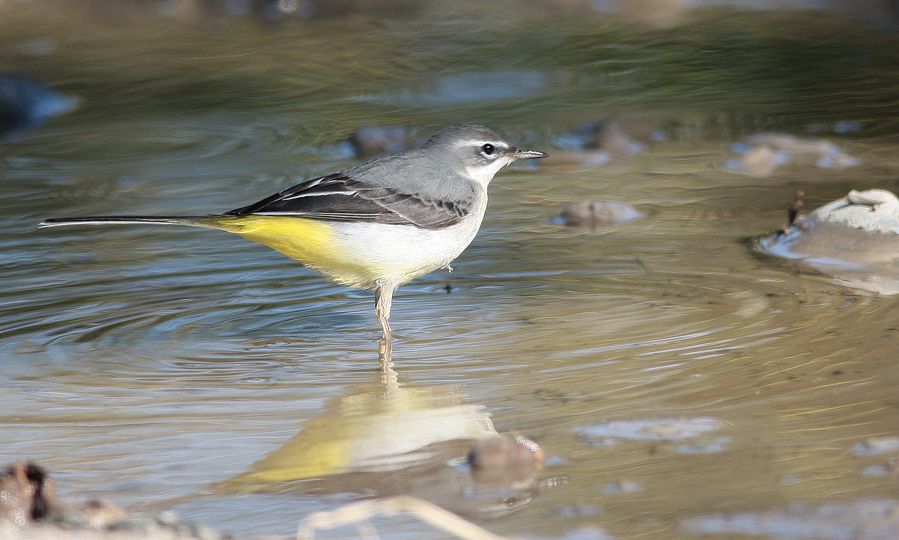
(376, 225)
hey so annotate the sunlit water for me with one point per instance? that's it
(157, 367)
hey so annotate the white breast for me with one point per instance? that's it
(376, 253)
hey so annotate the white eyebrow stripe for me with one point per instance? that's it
(480, 142)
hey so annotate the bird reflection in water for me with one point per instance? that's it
(387, 440)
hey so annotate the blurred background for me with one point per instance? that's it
(615, 308)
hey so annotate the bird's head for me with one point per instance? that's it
(476, 151)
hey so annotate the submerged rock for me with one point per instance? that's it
(25, 103)
(760, 155)
(854, 239)
(860, 520)
(660, 429)
(876, 446)
(275, 11)
(843, 127)
(622, 486)
(374, 141)
(586, 532)
(598, 143)
(592, 214)
(476, 86)
(758, 161)
(719, 445)
(617, 137)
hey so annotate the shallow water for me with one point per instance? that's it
(156, 367)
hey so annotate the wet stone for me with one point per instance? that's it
(581, 509)
(790, 479)
(598, 143)
(663, 429)
(715, 446)
(620, 487)
(873, 210)
(25, 103)
(593, 213)
(843, 127)
(602, 442)
(855, 239)
(618, 137)
(859, 520)
(876, 446)
(878, 469)
(374, 141)
(587, 532)
(470, 87)
(758, 161)
(761, 155)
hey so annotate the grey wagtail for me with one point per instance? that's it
(376, 225)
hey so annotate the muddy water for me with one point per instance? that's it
(163, 368)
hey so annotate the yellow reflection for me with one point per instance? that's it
(379, 428)
(384, 439)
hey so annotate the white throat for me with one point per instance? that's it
(484, 174)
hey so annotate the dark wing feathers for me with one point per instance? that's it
(337, 197)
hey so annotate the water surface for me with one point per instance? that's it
(155, 366)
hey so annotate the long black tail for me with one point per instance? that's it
(190, 221)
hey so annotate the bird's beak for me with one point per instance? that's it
(517, 153)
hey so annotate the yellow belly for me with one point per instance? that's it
(364, 255)
(312, 243)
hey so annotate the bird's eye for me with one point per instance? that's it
(488, 149)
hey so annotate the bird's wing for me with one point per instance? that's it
(339, 197)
